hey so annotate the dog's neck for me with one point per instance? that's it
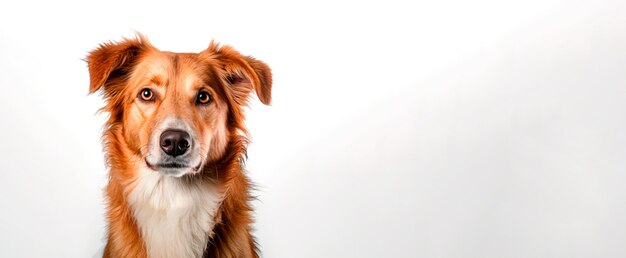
(175, 216)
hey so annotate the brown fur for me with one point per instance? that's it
(119, 69)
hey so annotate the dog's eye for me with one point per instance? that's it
(203, 98)
(146, 95)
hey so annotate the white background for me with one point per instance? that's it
(431, 129)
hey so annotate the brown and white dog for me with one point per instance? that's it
(175, 143)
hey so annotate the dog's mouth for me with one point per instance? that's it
(174, 168)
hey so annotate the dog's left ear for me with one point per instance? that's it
(242, 73)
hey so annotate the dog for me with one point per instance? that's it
(175, 143)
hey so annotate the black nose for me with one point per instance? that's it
(175, 142)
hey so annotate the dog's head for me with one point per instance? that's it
(175, 112)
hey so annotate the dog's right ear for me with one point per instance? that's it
(113, 61)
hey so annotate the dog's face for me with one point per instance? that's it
(177, 111)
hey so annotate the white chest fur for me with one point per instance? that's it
(176, 217)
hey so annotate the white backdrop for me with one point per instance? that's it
(432, 129)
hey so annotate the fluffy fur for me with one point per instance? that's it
(203, 212)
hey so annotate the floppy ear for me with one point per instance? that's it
(113, 61)
(242, 73)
